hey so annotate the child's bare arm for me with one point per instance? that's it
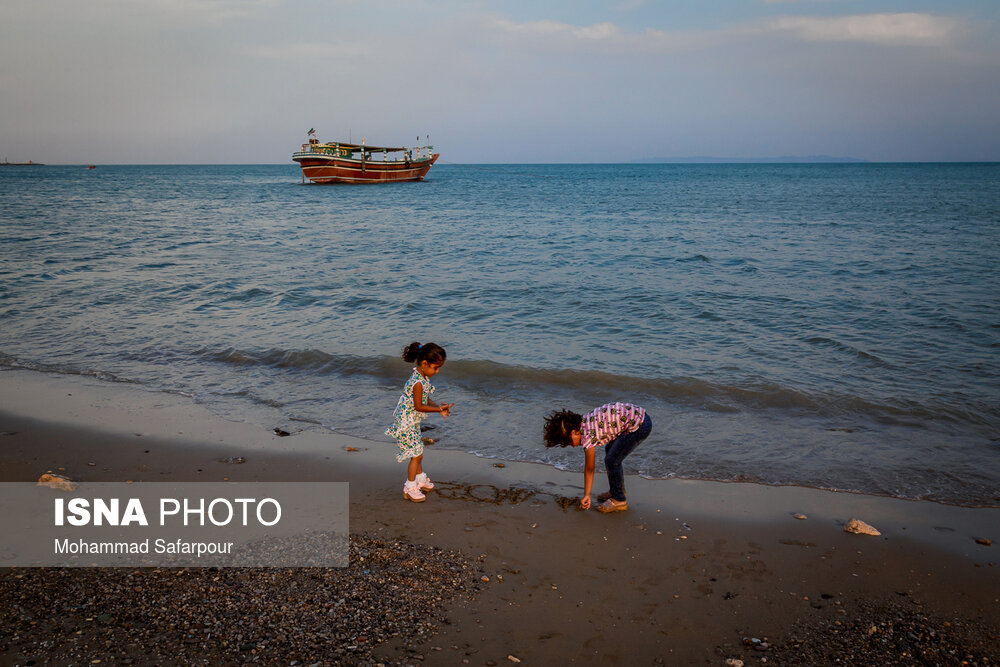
(418, 403)
(588, 476)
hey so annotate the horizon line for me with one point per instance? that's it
(643, 161)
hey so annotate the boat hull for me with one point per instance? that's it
(320, 168)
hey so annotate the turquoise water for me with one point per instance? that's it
(824, 325)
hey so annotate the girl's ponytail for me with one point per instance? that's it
(430, 352)
(410, 352)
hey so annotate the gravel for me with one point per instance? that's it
(884, 633)
(391, 591)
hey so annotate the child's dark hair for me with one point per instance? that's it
(429, 352)
(559, 426)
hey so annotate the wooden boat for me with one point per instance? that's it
(340, 162)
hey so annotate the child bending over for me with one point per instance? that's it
(618, 427)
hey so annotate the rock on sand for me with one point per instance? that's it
(55, 481)
(859, 527)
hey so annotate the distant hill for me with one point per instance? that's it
(784, 159)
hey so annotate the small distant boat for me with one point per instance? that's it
(29, 163)
(339, 162)
(91, 166)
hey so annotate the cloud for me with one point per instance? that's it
(607, 36)
(550, 29)
(905, 29)
(899, 29)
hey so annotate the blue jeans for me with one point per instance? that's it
(616, 451)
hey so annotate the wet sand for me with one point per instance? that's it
(693, 573)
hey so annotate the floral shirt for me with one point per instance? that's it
(602, 425)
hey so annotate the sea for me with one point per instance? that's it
(823, 325)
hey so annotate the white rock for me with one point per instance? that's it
(859, 527)
(734, 662)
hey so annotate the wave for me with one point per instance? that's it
(694, 258)
(305, 360)
(839, 346)
(18, 364)
(489, 378)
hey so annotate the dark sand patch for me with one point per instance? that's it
(392, 590)
(886, 633)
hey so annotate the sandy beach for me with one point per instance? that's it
(496, 567)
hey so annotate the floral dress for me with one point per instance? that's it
(406, 420)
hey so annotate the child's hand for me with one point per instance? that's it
(446, 409)
(585, 503)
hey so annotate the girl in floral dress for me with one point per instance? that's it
(411, 409)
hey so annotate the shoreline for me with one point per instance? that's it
(82, 402)
(689, 571)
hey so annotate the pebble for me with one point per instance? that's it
(233, 459)
(985, 542)
(800, 516)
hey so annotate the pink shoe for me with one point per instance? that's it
(412, 492)
(424, 482)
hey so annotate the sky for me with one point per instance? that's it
(491, 81)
